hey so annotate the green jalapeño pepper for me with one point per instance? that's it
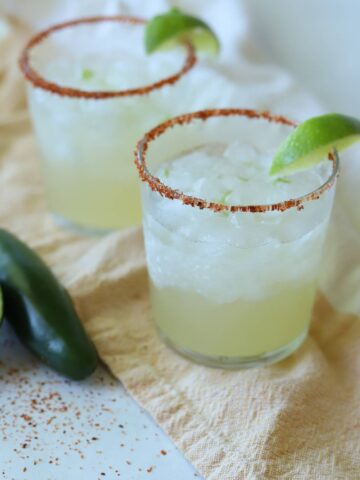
(1, 306)
(41, 311)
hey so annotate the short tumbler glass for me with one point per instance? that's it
(231, 285)
(92, 93)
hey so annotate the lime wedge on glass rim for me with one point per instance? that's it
(166, 30)
(312, 140)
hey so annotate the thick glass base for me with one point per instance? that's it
(234, 363)
(80, 229)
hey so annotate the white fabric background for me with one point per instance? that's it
(253, 82)
(317, 40)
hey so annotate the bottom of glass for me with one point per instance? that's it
(234, 363)
(79, 229)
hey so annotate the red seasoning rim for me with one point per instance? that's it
(38, 81)
(156, 185)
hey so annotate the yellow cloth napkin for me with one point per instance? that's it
(299, 419)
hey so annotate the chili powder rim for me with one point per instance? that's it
(39, 81)
(173, 194)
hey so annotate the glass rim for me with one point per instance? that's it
(173, 194)
(39, 81)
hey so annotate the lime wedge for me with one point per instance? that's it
(310, 142)
(165, 31)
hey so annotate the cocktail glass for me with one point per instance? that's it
(92, 93)
(232, 285)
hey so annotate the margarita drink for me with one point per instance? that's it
(231, 288)
(92, 93)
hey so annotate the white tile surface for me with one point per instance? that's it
(55, 429)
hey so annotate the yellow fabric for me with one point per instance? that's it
(299, 419)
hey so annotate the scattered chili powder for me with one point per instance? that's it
(12, 371)
(26, 417)
(42, 404)
(51, 419)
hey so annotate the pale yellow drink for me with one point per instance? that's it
(232, 289)
(233, 329)
(89, 174)
(86, 143)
